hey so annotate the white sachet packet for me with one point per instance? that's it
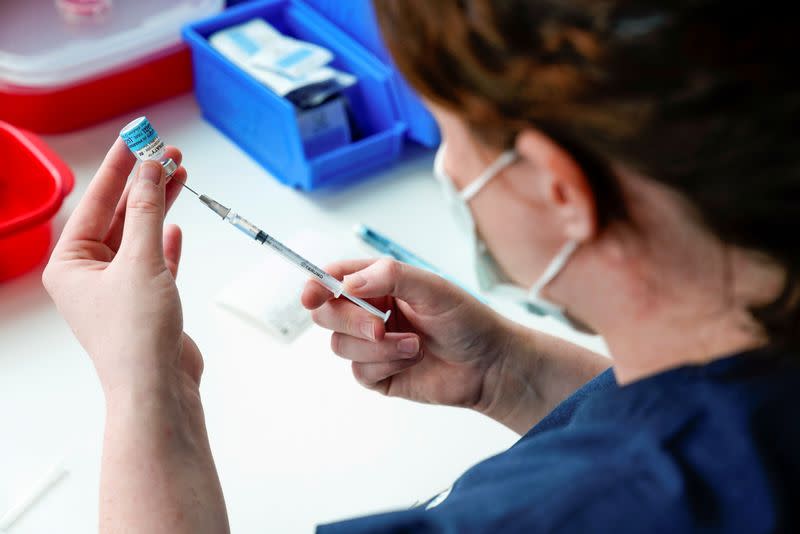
(267, 294)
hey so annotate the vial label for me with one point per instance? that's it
(143, 140)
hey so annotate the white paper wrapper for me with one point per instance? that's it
(267, 294)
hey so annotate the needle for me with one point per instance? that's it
(187, 187)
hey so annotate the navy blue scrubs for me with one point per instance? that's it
(712, 448)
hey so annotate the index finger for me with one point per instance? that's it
(92, 218)
(315, 294)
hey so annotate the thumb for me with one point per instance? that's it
(142, 234)
(417, 287)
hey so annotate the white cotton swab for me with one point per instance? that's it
(32, 496)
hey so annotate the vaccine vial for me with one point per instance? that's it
(142, 139)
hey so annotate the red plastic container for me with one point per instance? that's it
(75, 106)
(33, 184)
(68, 64)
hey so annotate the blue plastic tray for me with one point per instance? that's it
(357, 19)
(263, 124)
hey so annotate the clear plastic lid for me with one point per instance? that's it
(44, 43)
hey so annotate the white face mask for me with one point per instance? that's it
(490, 276)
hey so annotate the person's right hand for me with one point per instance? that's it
(439, 346)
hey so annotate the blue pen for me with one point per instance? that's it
(384, 245)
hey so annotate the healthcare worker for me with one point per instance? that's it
(630, 167)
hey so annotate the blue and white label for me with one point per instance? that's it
(142, 139)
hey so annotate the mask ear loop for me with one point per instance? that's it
(438, 164)
(503, 160)
(556, 266)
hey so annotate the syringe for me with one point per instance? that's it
(334, 285)
(143, 140)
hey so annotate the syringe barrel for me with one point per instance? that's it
(334, 285)
(248, 228)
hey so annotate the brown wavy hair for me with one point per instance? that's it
(702, 96)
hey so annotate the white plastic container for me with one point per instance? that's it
(61, 70)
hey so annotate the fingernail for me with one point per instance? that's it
(368, 329)
(409, 345)
(354, 281)
(151, 171)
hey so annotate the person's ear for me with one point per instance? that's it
(564, 185)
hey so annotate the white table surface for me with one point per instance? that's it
(297, 442)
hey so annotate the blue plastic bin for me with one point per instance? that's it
(264, 124)
(357, 19)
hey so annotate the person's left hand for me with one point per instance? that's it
(112, 277)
